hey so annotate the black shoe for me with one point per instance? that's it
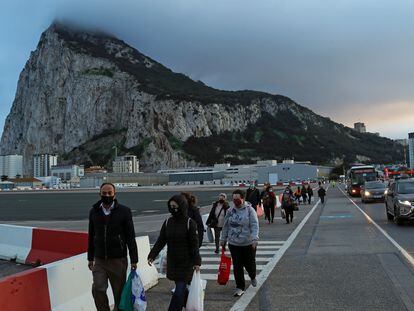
(216, 251)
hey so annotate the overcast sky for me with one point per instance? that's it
(350, 60)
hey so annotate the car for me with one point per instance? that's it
(373, 191)
(399, 200)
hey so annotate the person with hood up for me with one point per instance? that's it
(215, 219)
(253, 196)
(179, 233)
(194, 214)
(241, 232)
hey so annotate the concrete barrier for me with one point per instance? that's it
(15, 242)
(23, 291)
(70, 284)
(64, 285)
(52, 245)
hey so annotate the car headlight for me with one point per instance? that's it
(405, 202)
(353, 190)
(386, 191)
(367, 193)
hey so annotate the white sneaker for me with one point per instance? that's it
(173, 291)
(238, 292)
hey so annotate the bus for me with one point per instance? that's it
(357, 176)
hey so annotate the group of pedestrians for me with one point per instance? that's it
(235, 224)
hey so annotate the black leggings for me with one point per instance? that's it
(244, 257)
(269, 212)
(289, 213)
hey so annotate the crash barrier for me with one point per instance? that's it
(65, 284)
(15, 242)
(39, 246)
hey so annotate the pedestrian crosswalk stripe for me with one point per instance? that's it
(260, 246)
(266, 250)
(217, 259)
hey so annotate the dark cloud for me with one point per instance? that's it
(340, 58)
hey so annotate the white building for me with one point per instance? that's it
(360, 127)
(411, 149)
(42, 164)
(50, 181)
(11, 165)
(237, 174)
(68, 172)
(126, 164)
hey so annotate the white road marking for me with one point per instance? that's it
(406, 254)
(249, 294)
(160, 200)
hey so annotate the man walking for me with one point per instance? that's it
(111, 231)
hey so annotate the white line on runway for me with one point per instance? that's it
(244, 301)
(406, 254)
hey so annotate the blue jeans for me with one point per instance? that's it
(179, 297)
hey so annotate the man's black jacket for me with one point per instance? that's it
(110, 235)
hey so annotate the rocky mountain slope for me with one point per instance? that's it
(81, 93)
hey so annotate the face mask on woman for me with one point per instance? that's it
(237, 202)
(173, 209)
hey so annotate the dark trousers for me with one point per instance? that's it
(289, 213)
(179, 297)
(304, 196)
(217, 232)
(322, 199)
(113, 270)
(244, 257)
(269, 212)
(309, 199)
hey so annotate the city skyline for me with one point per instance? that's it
(350, 72)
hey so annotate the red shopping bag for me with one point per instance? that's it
(260, 211)
(224, 269)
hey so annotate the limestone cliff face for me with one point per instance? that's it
(78, 89)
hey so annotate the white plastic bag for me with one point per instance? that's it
(278, 204)
(195, 301)
(138, 294)
(162, 264)
(210, 234)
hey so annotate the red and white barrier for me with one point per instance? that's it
(40, 246)
(15, 242)
(62, 285)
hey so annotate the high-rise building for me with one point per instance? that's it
(126, 164)
(42, 164)
(11, 165)
(360, 127)
(411, 149)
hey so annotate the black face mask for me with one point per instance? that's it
(174, 211)
(107, 200)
